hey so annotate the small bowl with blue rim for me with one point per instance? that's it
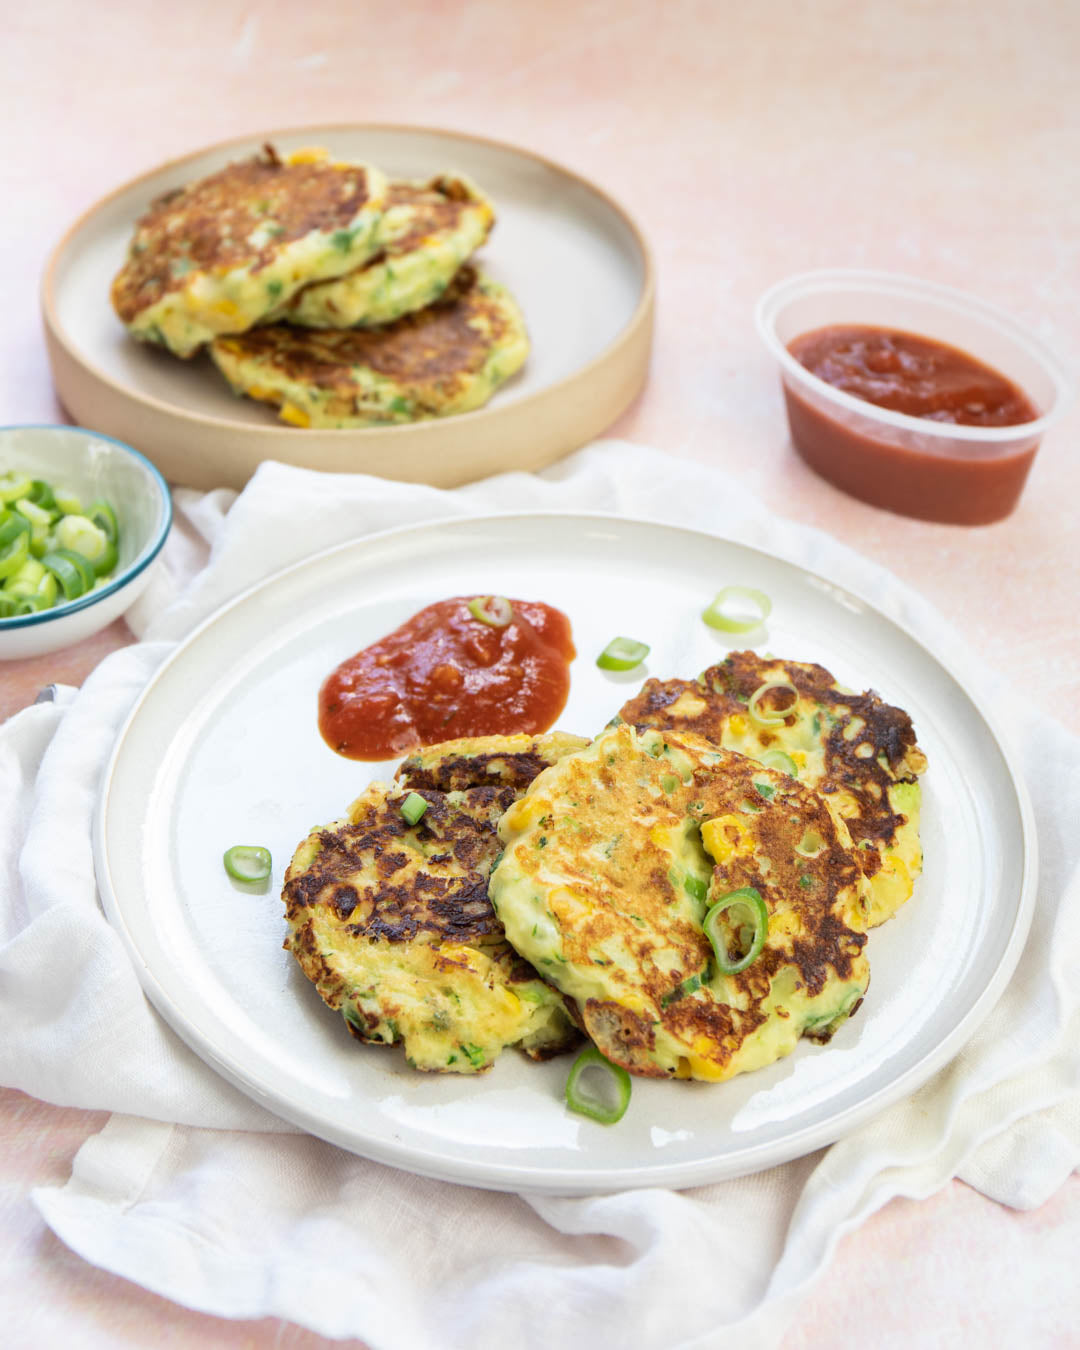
(82, 519)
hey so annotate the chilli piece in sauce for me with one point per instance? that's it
(447, 673)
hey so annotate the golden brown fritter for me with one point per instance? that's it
(217, 255)
(447, 358)
(427, 232)
(391, 921)
(855, 749)
(614, 857)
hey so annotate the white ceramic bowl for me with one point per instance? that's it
(91, 466)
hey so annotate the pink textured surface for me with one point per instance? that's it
(750, 142)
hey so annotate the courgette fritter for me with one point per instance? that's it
(220, 254)
(855, 749)
(391, 921)
(612, 860)
(447, 358)
(428, 230)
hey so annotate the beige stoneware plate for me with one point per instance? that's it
(223, 748)
(575, 260)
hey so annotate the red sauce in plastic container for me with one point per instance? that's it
(446, 673)
(935, 476)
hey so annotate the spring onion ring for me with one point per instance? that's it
(811, 845)
(413, 807)
(14, 543)
(494, 610)
(248, 862)
(622, 653)
(762, 717)
(723, 613)
(750, 899)
(781, 762)
(594, 1106)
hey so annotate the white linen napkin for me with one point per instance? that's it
(199, 1194)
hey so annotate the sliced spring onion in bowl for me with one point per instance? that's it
(494, 610)
(748, 898)
(608, 1105)
(737, 609)
(767, 717)
(413, 807)
(623, 653)
(248, 862)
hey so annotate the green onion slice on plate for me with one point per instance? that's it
(622, 653)
(248, 862)
(607, 1105)
(413, 807)
(737, 609)
(494, 610)
(748, 899)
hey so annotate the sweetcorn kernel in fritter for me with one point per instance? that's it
(429, 229)
(222, 253)
(389, 916)
(614, 857)
(855, 749)
(445, 359)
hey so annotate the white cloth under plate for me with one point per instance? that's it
(195, 1192)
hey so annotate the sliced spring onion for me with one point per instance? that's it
(494, 610)
(47, 525)
(594, 1105)
(750, 899)
(82, 536)
(413, 807)
(622, 653)
(104, 517)
(782, 763)
(695, 887)
(762, 717)
(248, 862)
(13, 486)
(14, 543)
(738, 609)
(73, 572)
(811, 845)
(41, 494)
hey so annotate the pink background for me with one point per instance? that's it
(750, 141)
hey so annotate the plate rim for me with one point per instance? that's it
(567, 1181)
(373, 436)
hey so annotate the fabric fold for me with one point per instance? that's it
(243, 1217)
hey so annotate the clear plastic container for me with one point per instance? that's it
(967, 475)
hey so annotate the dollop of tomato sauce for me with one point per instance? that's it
(445, 674)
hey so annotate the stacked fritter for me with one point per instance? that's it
(554, 885)
(340, 297)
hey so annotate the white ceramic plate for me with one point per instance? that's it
(223, 748)
(574, 259)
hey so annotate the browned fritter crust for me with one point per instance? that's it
(205, 226)
(725, 689)
(473, 762)
(444, 896)
(436, 207)
(440, 346)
